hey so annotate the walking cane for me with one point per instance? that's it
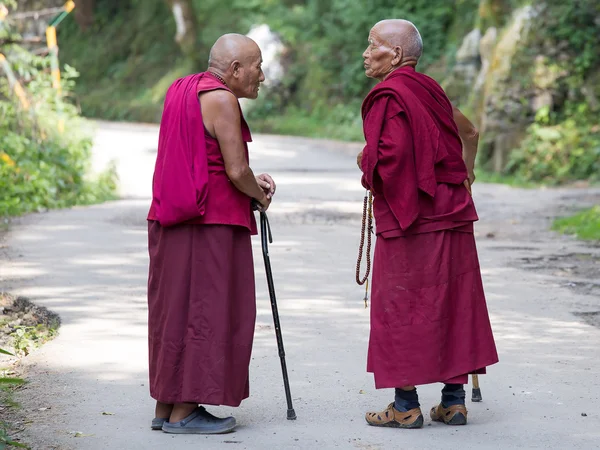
(476, 393)
(266, 238)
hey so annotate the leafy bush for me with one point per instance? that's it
(558, 153)
(40, 167)
(560, 60)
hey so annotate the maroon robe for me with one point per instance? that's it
(429, 319)
(201, 294)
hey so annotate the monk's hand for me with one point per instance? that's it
(467, 184)
(359, 160)
(267, 184)
(265, 202)
(471, 177)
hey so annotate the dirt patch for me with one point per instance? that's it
(24, 326)
(569, 265)
(591, 317)
(580, 272)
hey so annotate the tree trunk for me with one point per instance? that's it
(84, 13)
(493, 13)
(187, 25)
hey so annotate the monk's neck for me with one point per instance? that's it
(218, 75)
(411, 64)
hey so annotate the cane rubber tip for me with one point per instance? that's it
(291, 414)
(476, 395)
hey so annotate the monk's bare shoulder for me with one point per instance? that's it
(220, 111)
(221, 101)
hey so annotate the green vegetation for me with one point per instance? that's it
(558, 151)
(23, 327)
(130, 58)
(7, 386)
(563, 142)
(584, 225)
(25, 339)
(40, 166)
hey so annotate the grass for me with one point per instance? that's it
(585, 224)
(8, 384)
(298, 124)
(484, 176)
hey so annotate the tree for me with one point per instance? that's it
(84, 13)
(187, 25)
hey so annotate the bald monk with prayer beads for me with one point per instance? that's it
(201, 297)
(429, 319)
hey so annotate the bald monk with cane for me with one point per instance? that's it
(201, 293)
(429, 319)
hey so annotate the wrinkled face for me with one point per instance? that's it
(379, 57)
(249, 75)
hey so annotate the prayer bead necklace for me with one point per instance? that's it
(366, 229)
(218, 77)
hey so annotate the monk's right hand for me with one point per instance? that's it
(265, 202)
(359, 160)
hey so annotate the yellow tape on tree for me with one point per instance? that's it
(51, 37)
(69, 6)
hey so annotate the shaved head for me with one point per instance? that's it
(232, 47)
(401, 33)
(237, 62)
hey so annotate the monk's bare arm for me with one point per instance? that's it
(221, 116)
(470, 139)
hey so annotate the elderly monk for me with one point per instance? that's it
(201, 298)
(429, 320)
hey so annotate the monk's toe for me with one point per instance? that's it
(393, 418)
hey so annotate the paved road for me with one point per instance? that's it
(90, 266)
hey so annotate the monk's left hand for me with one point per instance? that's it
(267, 184)
(471, 177)
(359, 160)
(467, 184)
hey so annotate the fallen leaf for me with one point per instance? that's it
(361, 392)
(108, 413)
(80, 434)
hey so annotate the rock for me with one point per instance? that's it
(486, 50)
(460, 82)
(469, 50)
(505, 116)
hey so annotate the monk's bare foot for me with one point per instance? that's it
(163, 410)
(181, 411)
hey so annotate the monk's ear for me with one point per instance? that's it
(235, 68)
(398, 53)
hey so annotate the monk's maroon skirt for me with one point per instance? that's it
(429, 319)
(201, 313)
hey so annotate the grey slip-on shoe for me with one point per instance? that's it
(157, 423)
(200, 421)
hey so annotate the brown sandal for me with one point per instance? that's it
(393, 418)
(452, 415)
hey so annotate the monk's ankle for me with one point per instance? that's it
(453, 394)
(181, 411)
(405, 400)
(163, 410)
